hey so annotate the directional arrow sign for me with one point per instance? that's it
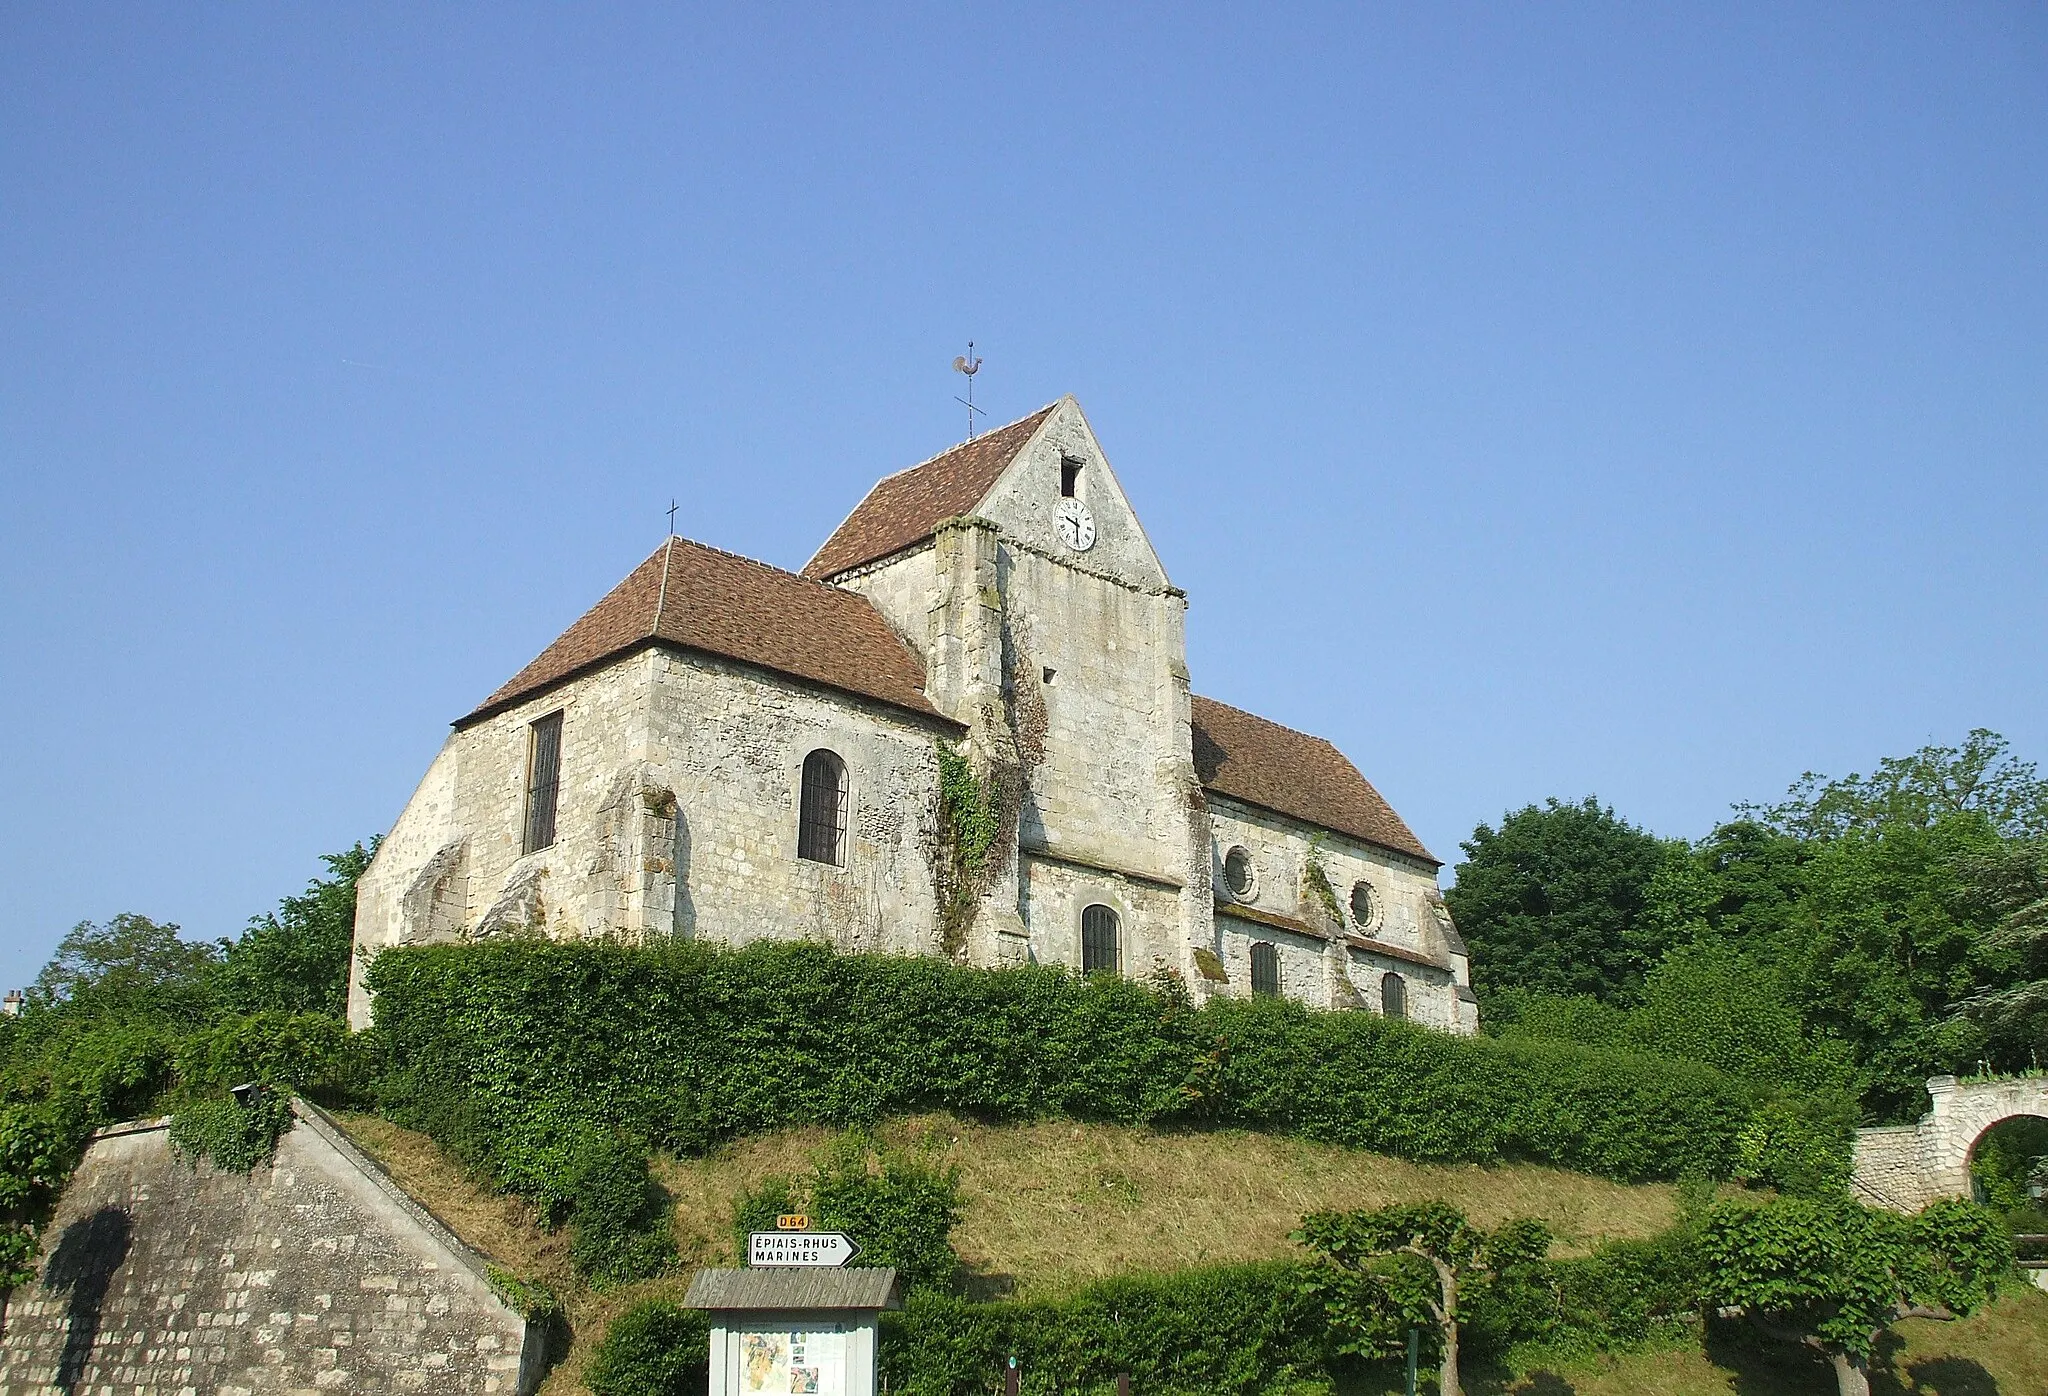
(826, 1248)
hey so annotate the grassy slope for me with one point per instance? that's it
(1049, 1206)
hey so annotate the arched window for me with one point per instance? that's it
(1393, 996)
(1265, 970)
(1099, 950)
(1237, 871)
(821, 811)
(1362, 907)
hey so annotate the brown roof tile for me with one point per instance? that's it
(905, 507)
(706, 599)
(1277, 768)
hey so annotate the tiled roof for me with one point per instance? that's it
(706, 599)
(904, 508)
(1277, 768)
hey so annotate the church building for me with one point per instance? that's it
(965, 729)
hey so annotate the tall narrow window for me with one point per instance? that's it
(1393, 996)
(821, 810)
(1265, 970)
(1099, 950)
(543, 780)
(1070, 477)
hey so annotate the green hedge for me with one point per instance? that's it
(1228, 1329)
(1237, 1328)
(653, 1349)
(492, 1046)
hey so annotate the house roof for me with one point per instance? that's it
(1277, 768)
(706, 599)
(905, 507)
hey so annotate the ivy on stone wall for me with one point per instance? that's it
(1315, 881)
(967, 821)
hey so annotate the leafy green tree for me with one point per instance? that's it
(131, 968)
(295, 959)
(1415, 1261)
(2009, 885)
(1883, 948)
(1832, 1275)
(1980, 778)
(1554, 901)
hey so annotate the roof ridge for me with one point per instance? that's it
(1257, 717)
(765, 566)
(963, 445)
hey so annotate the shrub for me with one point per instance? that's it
(1240, 1328)
(652, 1349)
(299, 1050)
(897, 1209)
(234, 1136)
(682, 1045)
(40, 1143)
(618, 1214)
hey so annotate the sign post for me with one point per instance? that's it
(798, 1319)
(826, 1249)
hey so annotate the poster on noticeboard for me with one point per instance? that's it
(785, 1362)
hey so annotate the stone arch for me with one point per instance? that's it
(1905, 1167)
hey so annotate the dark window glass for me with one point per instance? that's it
(821, 811)
(1070, 476)
(1237, 871)
(1361, 903)
(1265, 970)
(1098, 940)
(1393, 996)
(543, 780)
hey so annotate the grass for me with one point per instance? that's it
(1054, 1205)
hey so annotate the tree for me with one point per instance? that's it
(1554, 901)
(130, 968)
(1415, 1260)
(295, 959)
(1980, 778)
(2010, 883)
(1832, 1275)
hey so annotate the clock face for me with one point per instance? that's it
(1077, 525)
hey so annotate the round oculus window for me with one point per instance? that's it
(1363, 906)
(1237, 871)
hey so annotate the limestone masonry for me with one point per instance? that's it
(724, 750)
(312, 1274)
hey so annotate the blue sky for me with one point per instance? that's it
(1642, 400)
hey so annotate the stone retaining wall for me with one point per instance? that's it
(312, 1274)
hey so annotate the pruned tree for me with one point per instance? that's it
(1833, 1275)
(1413, 1261)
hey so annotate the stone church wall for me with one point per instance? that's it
(312, 1274)
(1105, 788)
(475, 796)
(1055, 894)
(731, 742)
(1403, 916)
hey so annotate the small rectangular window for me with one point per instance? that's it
(543, 780)
(1070, 477)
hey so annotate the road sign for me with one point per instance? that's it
(777, 1248)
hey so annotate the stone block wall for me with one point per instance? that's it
(314, 1274)
(1905, 1167)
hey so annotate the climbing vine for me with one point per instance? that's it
(1315, 881)
(966, 822)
